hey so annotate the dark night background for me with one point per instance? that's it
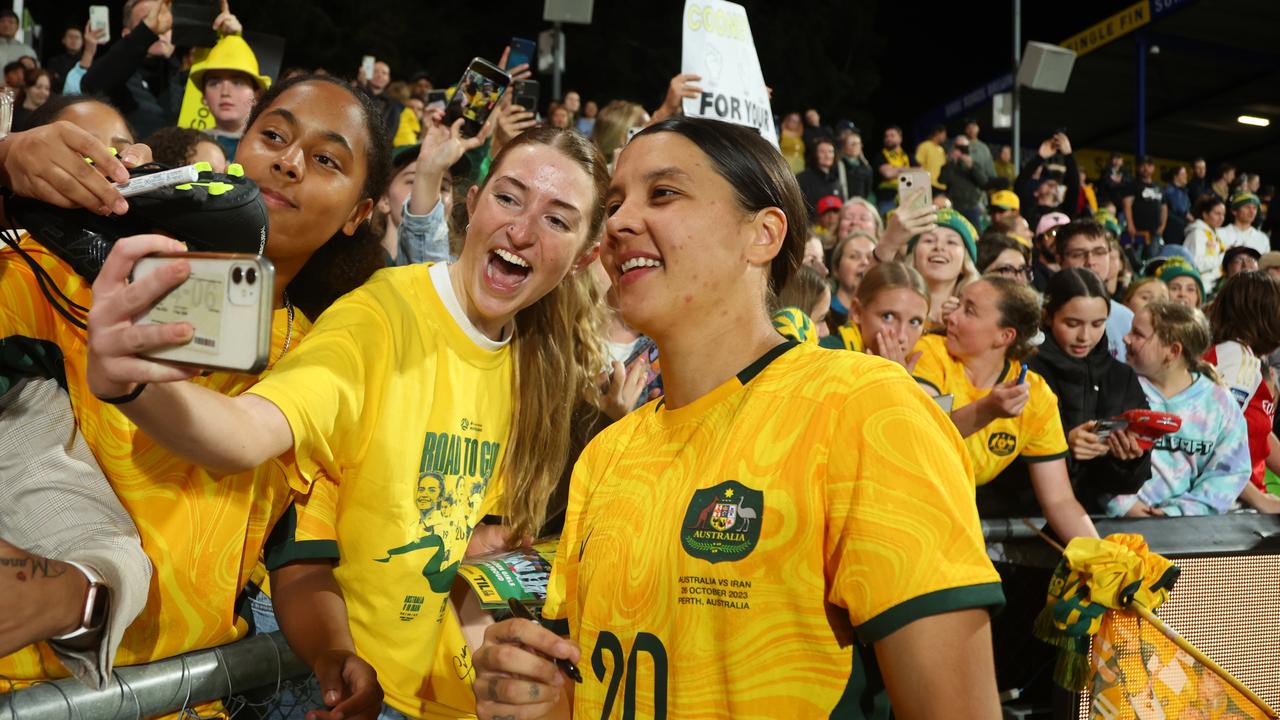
(873, 61)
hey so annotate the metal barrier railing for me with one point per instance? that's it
(263, 663)
(259, 663)
(255, 664)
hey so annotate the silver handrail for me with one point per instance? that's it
(258, 663)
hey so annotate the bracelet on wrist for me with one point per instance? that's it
(122, 399)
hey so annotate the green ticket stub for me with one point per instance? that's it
(522, 574)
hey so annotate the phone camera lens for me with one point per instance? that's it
(236, 275)
(251, 276)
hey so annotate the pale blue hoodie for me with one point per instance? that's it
(1202, 468)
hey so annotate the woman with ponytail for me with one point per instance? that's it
(1202, 468)
(429, 397)
(722, 544)
(1004, 411)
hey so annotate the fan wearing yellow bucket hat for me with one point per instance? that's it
(228, 77)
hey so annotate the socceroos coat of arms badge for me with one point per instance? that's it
(722, 523)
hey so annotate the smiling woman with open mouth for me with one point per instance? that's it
(422, 401)
(945, 257)
(723, 545)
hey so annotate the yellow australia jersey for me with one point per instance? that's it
(1035, 435)
(400, 411)
(847, 337)
(203, 533)
(897, 158)
(721, 560)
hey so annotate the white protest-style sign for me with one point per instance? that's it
(718, 46)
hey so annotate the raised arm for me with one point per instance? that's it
(109, 73)
(1070, 198)
(221, 433)
(684, 85)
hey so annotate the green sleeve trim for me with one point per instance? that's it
(987, 595)
(283, 546)
(559, 627)
(278, 557)
(928, 385)
(1044, 458)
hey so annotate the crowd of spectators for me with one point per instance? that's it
(1129, 248)
(1035, 304)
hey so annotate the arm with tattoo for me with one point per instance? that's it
(39, 598)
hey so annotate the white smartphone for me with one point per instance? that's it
(228, 299)
(914, 190)
(100, 21)
(366, 64)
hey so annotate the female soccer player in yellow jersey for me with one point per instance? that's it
(409, 398)
(1004, 411)
(204, 533)
(725, 547)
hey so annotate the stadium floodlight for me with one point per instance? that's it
(1253, 120)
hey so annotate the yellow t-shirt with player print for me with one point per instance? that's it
(203, 532)
(720, 560)
(1035, 435)
(400, 411)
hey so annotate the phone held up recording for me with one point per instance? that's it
(914, 190)
(227, 299)
(525, 94)
(477, 93)
(522, 52)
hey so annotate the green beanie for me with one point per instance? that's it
(1244, 198)
(1108, 221)
(1176, 266)
(949, 218)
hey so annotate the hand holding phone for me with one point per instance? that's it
(366, 68)
(227, 299)
(1105, 427)
(525, 94)
(1084, 442)
(481, 87)
(521, 52)
(915, 192)
(100, 23)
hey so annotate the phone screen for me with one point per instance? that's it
(479, 90)
(1104, 428)
(522, 50)
(646, 347)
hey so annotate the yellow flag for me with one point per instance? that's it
(1139, 674)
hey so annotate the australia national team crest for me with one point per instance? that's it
(722, 523)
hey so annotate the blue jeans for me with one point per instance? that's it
(294, 699)
(294, 706)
